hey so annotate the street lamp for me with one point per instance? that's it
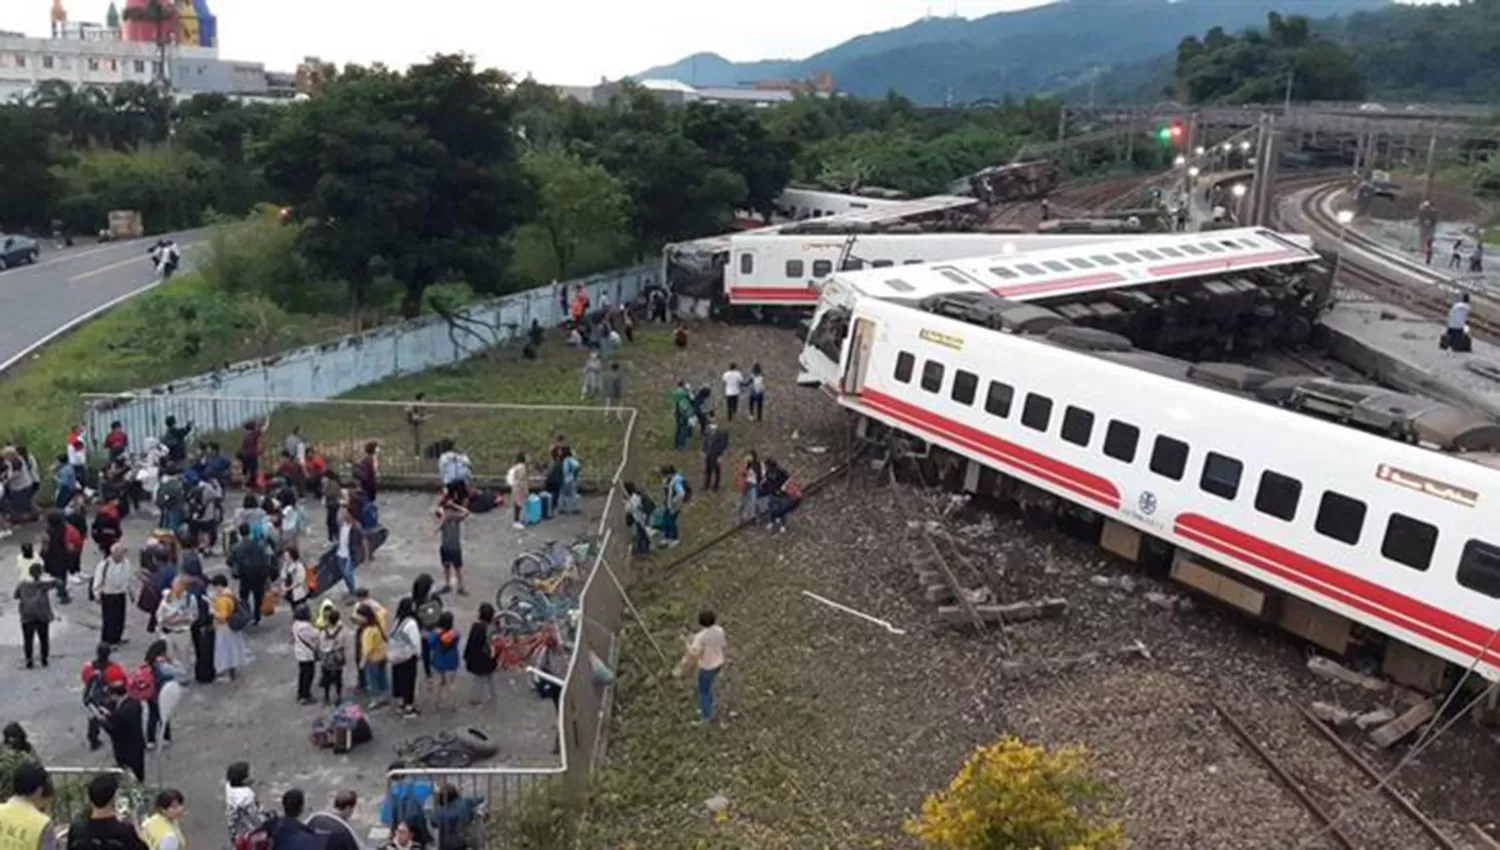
(1194, 172)
(1343, 217)
(1238, 190)
(1180, 161)
(1198, 151)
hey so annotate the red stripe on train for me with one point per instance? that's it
(785, 294)
(1215, 264)
(1435, 624)
(1065, 283)
(1080, 481)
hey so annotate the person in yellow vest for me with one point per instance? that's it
(162, 830)
(24, 822)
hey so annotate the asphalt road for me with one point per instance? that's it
(68, 284)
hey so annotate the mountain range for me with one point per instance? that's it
(1056, 47)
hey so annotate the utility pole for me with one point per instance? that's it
(1291, 74)
(1431, 167)
(1062, 122)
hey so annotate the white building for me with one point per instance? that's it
(95, 56)
(674, 92)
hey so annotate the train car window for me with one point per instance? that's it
(1078, 426)
(913, 262)
(905, 363)
(932, 376)
(1409, 542)
(997, 400)
(1080, 263)
(1030, 269)
(1171, 252)
(1189, 249)
(793, 268)
(1340, 517)
(1037, 412)
(1150, 255)
(900, 285)
(1278, 495)
(747, 263)
(822, 268)
(1479, 568)
(1230, 244)
(853, 264)
(1211, 247)
(1221, 475)
(1001, 271)
(1104, 260)
(1127, 257)
(882, 264)
(1120, 440)
(1056, 265)
(1169, 458)
(965, 384)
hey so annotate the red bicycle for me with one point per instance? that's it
(518, 643)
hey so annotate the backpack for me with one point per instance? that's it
(648, 507)
(148, 596)
(333, 658)
(239, 618)
(93, 692)
(141, 683)
(429, 611)
(687, 489)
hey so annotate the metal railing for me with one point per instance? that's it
(538, 807)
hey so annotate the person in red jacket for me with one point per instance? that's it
(116, 442)
(99, 676)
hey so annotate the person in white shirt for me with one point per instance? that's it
(705, 653)
(112, 579)
(1458, 324)
(734, 383)
(453, 467)
(517, 478)
(294, 577)
(345, 552)
(757, 393)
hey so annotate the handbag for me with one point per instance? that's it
(239, 618)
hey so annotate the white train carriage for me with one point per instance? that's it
(1335, 533)
(801, 204)
(787, 270)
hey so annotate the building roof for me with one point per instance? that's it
(666, 85)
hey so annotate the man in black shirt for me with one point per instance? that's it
(251, 562)
(103, 829)
(335, 824)
(122, 719)
(288, 832)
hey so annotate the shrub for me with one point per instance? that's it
(258, 257)
(1011, 795)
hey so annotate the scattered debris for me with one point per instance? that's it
(1330, 669)
(1404, 725)
(1135, 650)
(1012, 612)
(1332, 714)
(860, 614)
(1374, 718)
(1121, 582)
(717, 803)
(1169, 601)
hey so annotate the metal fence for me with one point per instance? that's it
(338, 366)
(539, 807)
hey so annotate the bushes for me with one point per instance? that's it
(71, 801)
(258, 259)
(1011, 795)
(170, 187)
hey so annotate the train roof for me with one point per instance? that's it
(1086, 268)
(883, 212)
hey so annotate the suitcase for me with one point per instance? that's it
(203, 655)
(533, 509)
(547, 505)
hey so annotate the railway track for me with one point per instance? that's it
(1349, 815)
(1426, 293)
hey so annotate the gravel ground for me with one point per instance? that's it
(832, 729)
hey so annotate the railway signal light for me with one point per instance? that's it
(1170, 134)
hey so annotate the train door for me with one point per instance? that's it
(860, 348)
(742, 269)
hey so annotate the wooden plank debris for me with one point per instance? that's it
(1011, 612)
(1017, 668)
(1330, 669)
(1404, 725)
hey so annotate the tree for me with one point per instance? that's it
(737, 139)
(1011, 795)
(1257, 66)
(579, 203)
(29, 185)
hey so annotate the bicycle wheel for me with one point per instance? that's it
(530, 566)
(511, 625)
(518, 597)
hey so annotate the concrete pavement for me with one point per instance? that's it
(65, 286)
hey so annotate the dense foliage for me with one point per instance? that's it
(1260, 66)
(1011, 795)
(447, 175)
(1440, 51)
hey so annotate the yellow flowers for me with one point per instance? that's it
(1011, 795)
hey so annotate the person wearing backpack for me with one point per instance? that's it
(120, 716)
(332, 659)
(98, 675)
(403, 652)
(111, 587)
(426, 606)
(102, 829)
(157, 684)
(305, 638)
(288, 832)
(638, 510)
(34, 594)
(250, 560)
(371, 644)
(443, 638)
(676, 495)
(230, 620)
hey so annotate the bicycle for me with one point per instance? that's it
(531, 606)
(517, 650)
(552, 558)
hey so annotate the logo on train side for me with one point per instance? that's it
(1147, 503)
(1427, 486)
(947, 340)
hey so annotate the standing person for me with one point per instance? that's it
(166, 678)
(750, 476)
(288, 832)
(427, 605)
(294, 577)
(638, 510)
(518, 478)
(249, 454)
(175, 616)
(242, 810)
(1455, 259)
(78, 455)
(734, 383)
(757, 393)
(567, 492)
(14, 740)
(705, 654)
(102, 829)
(592, 367)
(372, 643)
(331, 658)
(404, 653)
(34, 594)
(333, 497)
(682, 414)
(230, 653)
(121, 718)
(715, 444)
(163, 829)
(295, 445)
(62, 543)
(614, 391)
(344, 551)
(675, 497)
(443, 639)
(66, 479)
(1476, 258)
(453, 467)
(23, 818)
(335, 824)
(416, 415)
(250, 560)
(111, 587)
(451, 515)
(1458, 324)
(305, 640)
(479, 656)
(367, 472)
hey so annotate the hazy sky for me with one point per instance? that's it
(558, 41)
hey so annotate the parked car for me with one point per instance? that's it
(17, 250)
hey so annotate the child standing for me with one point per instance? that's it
(443, 640)
(479, 656)
(372, 652)
(331, 658)
(451, 516)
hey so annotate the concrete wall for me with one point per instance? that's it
(338, 366)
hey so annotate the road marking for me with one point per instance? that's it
(73, 323)
(81, 254)
(112, 266)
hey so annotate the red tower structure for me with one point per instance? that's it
(145, 30)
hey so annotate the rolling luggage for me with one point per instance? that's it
(533, 509)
